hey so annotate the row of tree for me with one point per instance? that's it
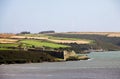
(42, 32)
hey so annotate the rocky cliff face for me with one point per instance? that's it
(68, 54)
(71, 55)
(64, 55)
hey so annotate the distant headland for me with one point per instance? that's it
(26, 47)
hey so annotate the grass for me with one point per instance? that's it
(34, 35)
(8, 45)
(52, 37)
(5, 49)
(38, 43)
(70, 39)
(60, 38)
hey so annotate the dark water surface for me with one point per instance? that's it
(103, 65)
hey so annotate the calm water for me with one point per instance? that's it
(102, 65)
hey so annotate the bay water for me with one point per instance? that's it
(102, 65)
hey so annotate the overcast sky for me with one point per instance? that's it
(59, 15)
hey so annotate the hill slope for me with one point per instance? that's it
(101, 41)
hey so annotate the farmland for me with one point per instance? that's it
(39, 43)
(100, 40)
(23, 48)
(78, 42)
(29, 46)
(53, 39)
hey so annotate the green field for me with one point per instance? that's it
(62, 38)
(34, 35)
(39, 43)
(54, 37)
(8, 45)
(5, 49)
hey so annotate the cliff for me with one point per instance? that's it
(71, 55)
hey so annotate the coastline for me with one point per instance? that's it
(103, 65)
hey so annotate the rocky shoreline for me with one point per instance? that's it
(19, 57)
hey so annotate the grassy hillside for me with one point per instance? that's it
(63, 41)
(100, 41)
(55, 39)
(104, 38)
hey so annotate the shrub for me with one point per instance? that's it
(11, 57)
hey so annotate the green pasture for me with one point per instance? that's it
(62, 38)
(8, 45)
(5, 49)
(34, 35)
(39, 43)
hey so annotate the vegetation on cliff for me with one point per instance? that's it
(12, 56)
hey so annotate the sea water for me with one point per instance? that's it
(102, 65)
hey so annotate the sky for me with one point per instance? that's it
(59, 15)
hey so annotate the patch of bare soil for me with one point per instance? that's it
(8, 40)
(70, 41)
